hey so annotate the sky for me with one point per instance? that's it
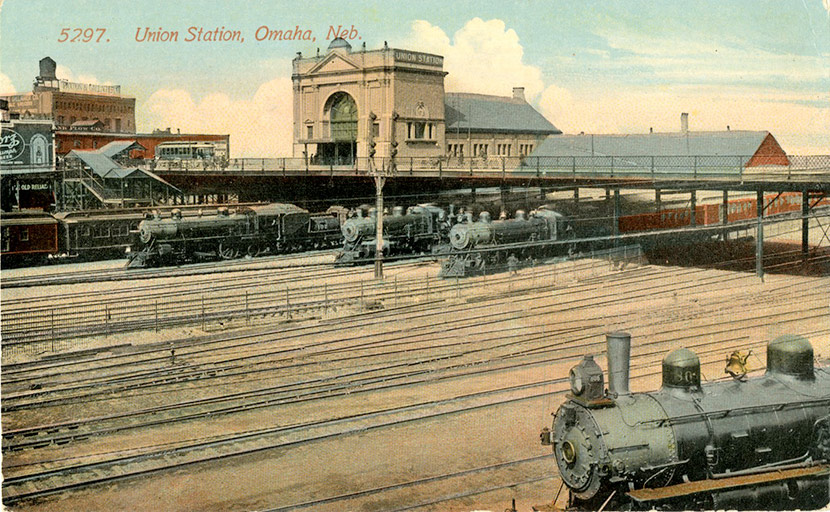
(588, 66)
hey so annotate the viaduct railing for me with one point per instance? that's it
(740, 168)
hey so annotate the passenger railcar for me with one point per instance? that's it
(747, 443)
(97, 234)
(28, 237)
(189, 150)
(190, 155)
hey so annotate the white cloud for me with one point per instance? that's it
(64, 73)
(483, 57)
(259, 127)
(6, 86)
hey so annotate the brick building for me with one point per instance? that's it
(72, 105)
(71, 140)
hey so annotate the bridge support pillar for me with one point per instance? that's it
(725, 208)
(693, 208)
(379, 182)
(759, 237)
(658, 200)
(473, 195)
(805, 226)
(576, 195)
(617, 213)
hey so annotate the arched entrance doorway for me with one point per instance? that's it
(341, 111)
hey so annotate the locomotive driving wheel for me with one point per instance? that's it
(253, 250)
(228, 251)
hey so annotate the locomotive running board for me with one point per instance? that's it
(691, 488)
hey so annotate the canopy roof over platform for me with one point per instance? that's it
(105, 167)
(758, 147)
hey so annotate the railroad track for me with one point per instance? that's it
(374, 362)
(159, 357)
(101, 422)
(466, 473)
(163, 374)
(168, 457)
(125, 274)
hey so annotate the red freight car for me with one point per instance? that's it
(710, 214)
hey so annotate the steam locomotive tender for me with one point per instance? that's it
(230, 233)
(749, 443)
(422, 229)
(475, 246)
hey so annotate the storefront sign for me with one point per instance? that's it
(11, 145)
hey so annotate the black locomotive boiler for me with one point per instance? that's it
(487, 245)
(421, 229)
(230, 233)
(759, 443)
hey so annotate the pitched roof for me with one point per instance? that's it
(720, 143)
(112, 149)
(100, 164)
(87, 123)
(465, 112)
(105, 167)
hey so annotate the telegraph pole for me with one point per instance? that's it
(380, 180)
(380, 176)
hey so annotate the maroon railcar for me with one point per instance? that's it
(27, 236)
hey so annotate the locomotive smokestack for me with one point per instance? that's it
(619, 357)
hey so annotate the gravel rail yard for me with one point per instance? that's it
(414, 393)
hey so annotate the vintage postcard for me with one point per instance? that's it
(435, 256)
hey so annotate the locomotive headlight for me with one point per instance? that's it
(568, 452)
(577, 384)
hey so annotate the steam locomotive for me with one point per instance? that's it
(749, 443)
(421, 229)
(231, 233)
(485, 245)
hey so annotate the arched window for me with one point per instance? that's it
(343, 117)
(38, 150)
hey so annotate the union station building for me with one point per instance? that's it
(391, 102)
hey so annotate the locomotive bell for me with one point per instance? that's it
(681, 369)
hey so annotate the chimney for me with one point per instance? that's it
(519, 93)
(684, 122)
(619, 357)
